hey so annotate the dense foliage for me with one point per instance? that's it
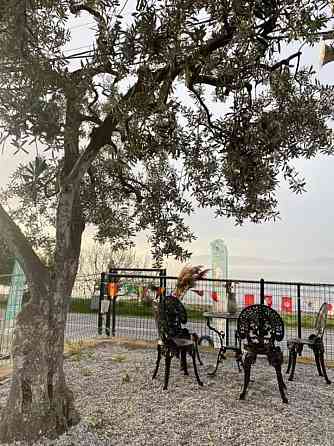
(174, 104)
(196, 103)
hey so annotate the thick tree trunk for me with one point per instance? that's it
(39, 402)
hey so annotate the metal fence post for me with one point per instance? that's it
(262, 291)
(299, 313)
(163, 281)
(100, 318)
(113, 323)
(112, 310)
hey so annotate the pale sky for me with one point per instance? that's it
(299, 247)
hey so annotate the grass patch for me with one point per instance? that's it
(78, 350)
(119, 358)
(78, 305)
(85, 371)
(141, 309)
(307, 321)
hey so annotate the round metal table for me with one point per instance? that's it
(209, 316)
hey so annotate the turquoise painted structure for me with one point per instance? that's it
(16, 290)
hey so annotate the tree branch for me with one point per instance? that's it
(101, 135)
(281, 62)
(285, 61)
(94, 119)
(208, 80)
(36, 273)
(75, 8)
(104, 68)
(217, 42)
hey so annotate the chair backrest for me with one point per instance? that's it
(170, 316)
(321, 320)
(260, 324)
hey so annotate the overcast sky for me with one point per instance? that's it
(299, 247)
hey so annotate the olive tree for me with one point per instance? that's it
(177, 103)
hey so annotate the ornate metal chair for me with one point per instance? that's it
(174, 340)
(261, 327)
(314, 342)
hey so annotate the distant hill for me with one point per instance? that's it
(315, 270)
(258, 261)
(240, 260)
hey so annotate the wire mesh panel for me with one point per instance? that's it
(131, 304)
(83, 311)
(12, 292)
(312, 297)
(81, 319)
(130, 312)
(283, 297)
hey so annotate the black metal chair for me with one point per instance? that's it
(174, 341)
(314, 342)
(261, 326)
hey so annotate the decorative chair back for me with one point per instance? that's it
(260, 325)
(170, 315)
(321, 320)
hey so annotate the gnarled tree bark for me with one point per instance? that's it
(40, 402)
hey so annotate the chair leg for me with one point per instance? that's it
(276, 360)
(193, 355)
(281, 384)
(184, 362)
(248, 361)
(317, 360)
(195, 339)
(293, 353)
(239, 360)
(289, 362)
(167, 368)
(158, 362)
(323, 366)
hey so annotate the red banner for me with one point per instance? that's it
(215, 296)
(286, 305)
(249, 299)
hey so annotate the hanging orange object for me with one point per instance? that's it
(112, 289)
(160, 291)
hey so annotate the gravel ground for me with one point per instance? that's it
(121, 405)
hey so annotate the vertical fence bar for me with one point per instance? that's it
(112, 310)
(299, 314)
(163, 280)
(262, 291)
(100, 318)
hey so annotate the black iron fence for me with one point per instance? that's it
(118, 303)
(129, 312)
(82, 318)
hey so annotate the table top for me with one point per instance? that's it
(224, 315)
